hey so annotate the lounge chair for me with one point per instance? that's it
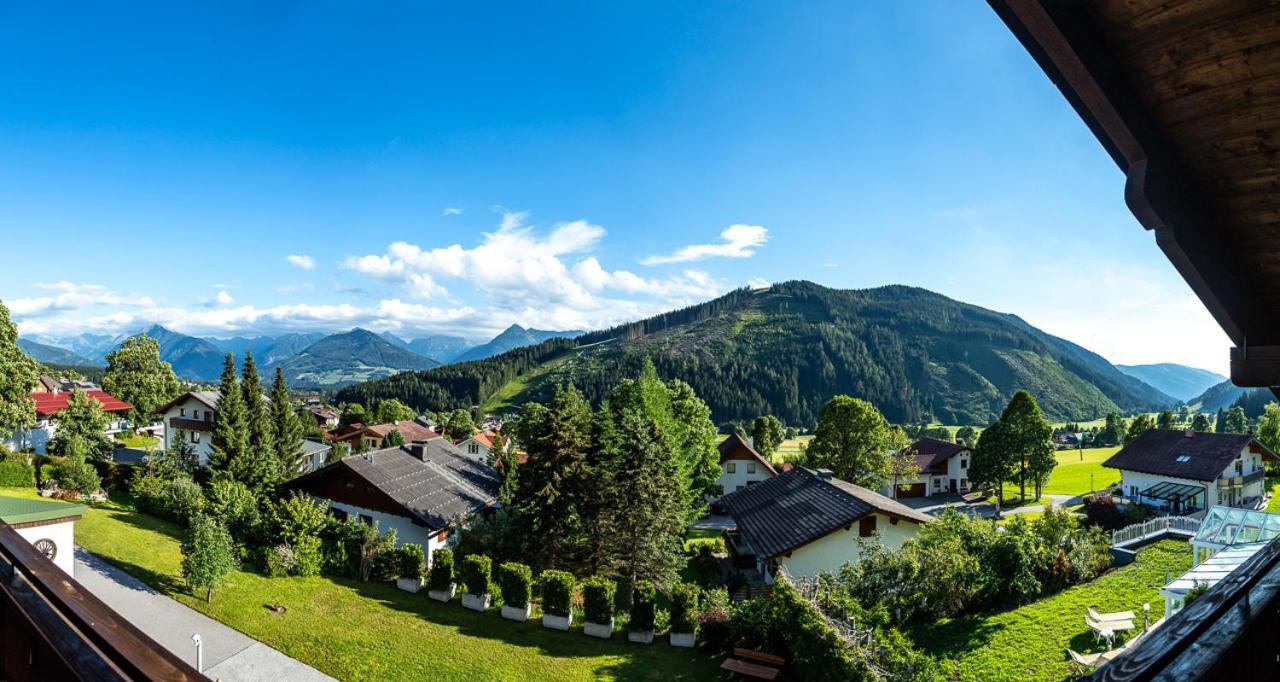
(1105, 617)
(1086, 660)
(1112, 625)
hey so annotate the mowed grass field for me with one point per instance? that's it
(1081, 471)
(364, 631)
(1030, 642)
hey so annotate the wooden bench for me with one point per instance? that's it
(758, 664)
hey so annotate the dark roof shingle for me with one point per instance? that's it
(931, 454)
(799, 506)
(1198, 457)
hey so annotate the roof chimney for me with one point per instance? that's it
(1190, 433)
(824, 474)
(419, 450)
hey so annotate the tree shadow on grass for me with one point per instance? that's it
(956, 637)
(657, 661)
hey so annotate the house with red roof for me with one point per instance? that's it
(480, 445)
(741, 465)
(944, 468)
(49, 402)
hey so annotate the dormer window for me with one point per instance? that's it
(1184, 458)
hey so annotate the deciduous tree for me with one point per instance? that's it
(392, 410)
(903, 467)
(136, 374)
(83, 418)
(766, 435)
(18, 375)
(208, 556)
(1235, 421)
(1269, 427)
(854, 440)
(1200, 423)
(1165, 420)
(1140, 425)
(458, 425)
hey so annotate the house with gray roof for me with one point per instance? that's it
(1189, 471)
(421, 489)
(804, 522)
(190, 417)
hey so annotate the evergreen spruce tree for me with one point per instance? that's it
(258, 468)
(552, 490)
(230, 438)
(1165, 420)
(286, 427)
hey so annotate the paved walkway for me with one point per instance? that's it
(936, 504)
(229, 655)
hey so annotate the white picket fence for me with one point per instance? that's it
(1183, 525)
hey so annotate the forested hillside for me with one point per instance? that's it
(786, 350)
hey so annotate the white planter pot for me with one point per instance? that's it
(682, 639)
(476, 602)
(520, 613)
(601, 630)
(640, 637)
(443, 595)
(557, 622)
(409, 584)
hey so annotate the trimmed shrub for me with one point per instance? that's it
(642, 598)
(411, 558)
(441, 576)
(185, 499)
(516, 581)
(476, 572)
(684, 608)
(597, 599)
(557, 593)
(15, 472)
(308, 554)
(279, 561)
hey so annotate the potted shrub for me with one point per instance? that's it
(516, 583)
(597, 606)
(411, 557)
(684, 612)
(557, 599)
(641, 627)
(476, 571)
(440, 586)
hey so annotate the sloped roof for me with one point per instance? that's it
(411, 430)
(737, 447)
(1193, 455)
(931, 454)
(797, 507)
(49, 404)
(19, 510)
(209, 398)
(434, 490)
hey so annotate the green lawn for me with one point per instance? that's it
(789, 449)
(1074, 476)
(1029, 643)
(353, 630)
(1273, 485)
(137, 440)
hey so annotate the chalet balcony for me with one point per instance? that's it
(52, 629)
(191, 424)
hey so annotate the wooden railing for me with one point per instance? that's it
(52, 629)
(1154, 526)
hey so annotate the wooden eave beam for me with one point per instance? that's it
(1061, 36)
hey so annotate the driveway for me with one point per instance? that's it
(229, 655)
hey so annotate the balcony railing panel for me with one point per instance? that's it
(52, 629)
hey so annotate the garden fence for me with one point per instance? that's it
(1154, 527)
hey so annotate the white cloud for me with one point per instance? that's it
(740, 241)
(302, 261)
(70, 296)
(223, 298)
(452, 210)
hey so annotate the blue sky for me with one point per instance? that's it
(456, 169)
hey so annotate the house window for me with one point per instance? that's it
(339, 514)
(867, 526)
(751, 467)
(366, 519)
(182, 411)
(1239, 467)
(473, 448)
(195, 436)
(964, 464)
(730, 468)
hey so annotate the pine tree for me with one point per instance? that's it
(261, 432)
(230, 438)
(286, 427)
(1165, 420)
(1235, 421)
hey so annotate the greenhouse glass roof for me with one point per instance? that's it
(1228, 527)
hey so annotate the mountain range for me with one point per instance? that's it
(1179, 381)
(513, 337)
(310, 359)
(786, 349)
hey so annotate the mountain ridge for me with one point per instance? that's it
(1180, 381)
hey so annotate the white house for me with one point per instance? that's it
(191, 416)
(49, 525)
(479, 446)
(49, 401)
(420, 489)
(1188, 471)
(944, 468)
(804, 522)
(741, 465)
